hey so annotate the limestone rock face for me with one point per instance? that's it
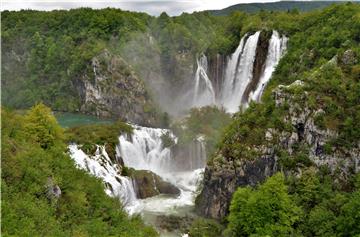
(53, 190)
(111, 89)
(225, 174)
(148, 184)
(349, 57)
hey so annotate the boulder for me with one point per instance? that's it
(149, 184)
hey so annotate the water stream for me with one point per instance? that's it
(144, 150)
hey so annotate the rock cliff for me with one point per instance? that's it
(111, 89)
(303, 143)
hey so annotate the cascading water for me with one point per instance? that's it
(100, 165)
(230, 72)
(236, 83)
(277, 48)
(204, 93)
(239, 74)
(144, 150)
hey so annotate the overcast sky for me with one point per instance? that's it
(153, 7)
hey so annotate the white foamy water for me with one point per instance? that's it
(101, 166)
(204, 93)
(239, 74)
(143, 150)
(277, 48)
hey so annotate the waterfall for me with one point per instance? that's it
(241, 76)
(230, 72)
(277, 48)
(240, 66)
(204, 93)
(144, 150)
(101, 166)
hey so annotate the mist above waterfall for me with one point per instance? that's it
(204, 93)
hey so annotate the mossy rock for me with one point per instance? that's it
(149, 184)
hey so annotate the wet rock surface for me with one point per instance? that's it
(148, 184)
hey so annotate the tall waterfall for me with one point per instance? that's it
(235, 83)
(277, 48)
(230, 72)
(204, 93)
(239, 85)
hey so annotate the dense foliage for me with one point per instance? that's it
(34, 163)
(52, 49)
(207, 122)
(307, 206)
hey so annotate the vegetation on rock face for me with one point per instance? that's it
(34, 164)
(98, 134)
(208, 122)
(46, 54)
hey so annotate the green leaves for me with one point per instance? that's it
(42, 126)
(269, 210)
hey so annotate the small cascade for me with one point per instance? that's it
(198, 154)
(204, 93)
(189, 156)
(277, 48)
(101, 166)
(144, 150)
(235, 83)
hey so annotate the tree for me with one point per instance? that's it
(267, 210)
(42, 126)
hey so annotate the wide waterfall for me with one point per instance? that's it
(239, 86)
(235, 83)
(204, 93)
(144, 150)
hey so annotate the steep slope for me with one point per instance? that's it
(310, 122)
